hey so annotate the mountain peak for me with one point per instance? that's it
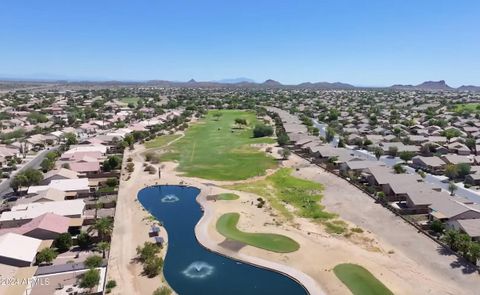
(271, 82)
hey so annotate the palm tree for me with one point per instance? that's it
(103, 246)
(451, 238)
(474, 252)
(452, 187)
(103, 227)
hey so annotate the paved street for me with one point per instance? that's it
(33, 163)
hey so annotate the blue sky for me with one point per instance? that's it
(370, 43)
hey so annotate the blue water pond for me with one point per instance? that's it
(190, 268)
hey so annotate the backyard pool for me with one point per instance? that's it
(189, 267)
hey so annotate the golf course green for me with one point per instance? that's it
(359, 280)
(227, 226)
(219, 149)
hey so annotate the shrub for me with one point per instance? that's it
(162, 291)
(262, 130)
(112, 182)
(153, 266)
(130, 167)
(63, 242)
(111, 284)
(83, 240)
(93, 261)
(46, 255)
(90, 279)
(148, 251)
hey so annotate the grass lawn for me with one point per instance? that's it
(470, 107)
(161, 141)
(227, 226)
(128, 100)
(359, 280)
(282, 188)
(227, 197)
(215, 149)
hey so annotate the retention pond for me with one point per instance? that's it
(189, 267)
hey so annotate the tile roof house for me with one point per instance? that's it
(448, 209)
(457, 159)
(433, 165)
(85, 167)
(62, 173)
(21, 214)
(44, 227)
(49, 195)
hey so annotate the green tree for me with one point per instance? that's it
(393, 151)
(451, 171)
(63, 242)
(452, 187)
(103, 227)
(437, 226)
(285, 153)
(283, 139)
(474, 252)
(90, 279)
(262, 130)
(70, 139)
(112, 163)
(46, 255)
(93, 261)
(47, 165)
(450, 238)
(153, 266)
(241, 121)
(103, 247)
(84, 240)
(329, 134)
(471, 144)
(378, 151)
(463, 169)
(398, 168)
(147, 251)
(406, 155)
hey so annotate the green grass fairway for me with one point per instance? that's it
(212, 149)
(227, 197)
(281, 188)
(359, 280)
(227, 226)
(470, 107)
(161, 141)
(128, 100)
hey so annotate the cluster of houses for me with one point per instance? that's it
(70, 197)
(423, 194)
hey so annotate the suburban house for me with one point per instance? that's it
(21, 214)
(18, 250)
(44, 227)
(433, 165)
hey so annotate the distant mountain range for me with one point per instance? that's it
(249, 83)
(436, 85)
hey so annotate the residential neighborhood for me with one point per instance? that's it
(61, 157)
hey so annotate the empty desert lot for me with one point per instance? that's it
(355, 206)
